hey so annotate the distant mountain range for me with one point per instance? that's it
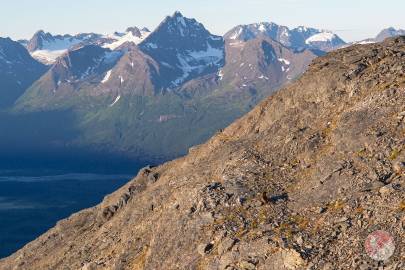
(297, 38)
(389, 32)
(47, 48)
(153, 94)
(384, 34)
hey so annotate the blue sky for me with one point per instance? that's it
(351, 19)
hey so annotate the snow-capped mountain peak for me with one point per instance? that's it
(181, 26)
(46, 41)
(135, 31)
(251, 31)
(298, 38)
(46, 47)
(190, 49)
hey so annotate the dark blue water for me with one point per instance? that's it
(37, 187)
(31, 203)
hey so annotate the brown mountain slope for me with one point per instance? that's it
(297, 183)
(262, 62)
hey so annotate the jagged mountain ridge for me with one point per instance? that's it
(46, 41)
(298, 182)
(184, 49)
(297, 38)
(46, 47)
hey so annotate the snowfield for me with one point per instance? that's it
(197, 61)
(321, 37)
(106, 77)
(46, 56)
(128, 37)
(115, 101)
(52, 49)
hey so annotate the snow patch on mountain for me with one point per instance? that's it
(220, 74)
(54, 47)
(180, 19)
(121, 79)
(285, 32)
(321, 37)
(60, 44)
(362, 42)
(186, 69)
(262, 28)
(47, 56)
(128, 37)
(106, 77)
(237, 33)
(211, 55)
(116, 100)
(197, 61)
(285, 61)
(166, 64)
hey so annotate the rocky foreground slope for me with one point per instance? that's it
(298, 183)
